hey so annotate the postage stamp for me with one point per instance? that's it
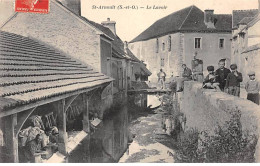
(33, 6)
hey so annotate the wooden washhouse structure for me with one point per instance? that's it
(38, 79)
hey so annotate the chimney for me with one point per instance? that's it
(209, 18)
(125, 46)
(73, 5)
(110, 24)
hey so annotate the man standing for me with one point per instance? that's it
(186, 76)
(221, 74)
(161, 78)
(197, 68)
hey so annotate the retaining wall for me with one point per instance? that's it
(206, 108)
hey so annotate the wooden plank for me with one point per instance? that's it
(46, 101)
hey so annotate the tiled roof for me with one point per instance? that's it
(31, 71)
(187, 19)
(118, 46)
(238, 15)
(246, 20)
(140, 65)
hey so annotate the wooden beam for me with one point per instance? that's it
(70, 100)
(10, 137)
(22, 118)
(46, 101)
(63, 138)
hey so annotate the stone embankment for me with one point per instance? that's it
(205, 109)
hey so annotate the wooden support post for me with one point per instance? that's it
(99, 106)
(86, 124)
(63, 137)
(11, 138)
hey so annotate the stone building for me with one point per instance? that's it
(246, 41)
(174, 39)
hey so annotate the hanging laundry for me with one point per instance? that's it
(29, 134)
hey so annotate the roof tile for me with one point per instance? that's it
(238, 15)
(31, 71)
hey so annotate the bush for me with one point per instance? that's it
(228, 144)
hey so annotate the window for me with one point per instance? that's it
(197, 42)
(169, 43)
(221, 43)
(157, 45)
(162, 61)
(163, 46)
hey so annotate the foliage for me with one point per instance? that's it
(227, 144)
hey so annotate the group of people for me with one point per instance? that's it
(37, 141)
(226, 80)
(223, 79)
(42, 144)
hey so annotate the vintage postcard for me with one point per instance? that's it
(129, 81)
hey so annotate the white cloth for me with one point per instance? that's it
(45, 140)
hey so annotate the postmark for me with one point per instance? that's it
(32, 6)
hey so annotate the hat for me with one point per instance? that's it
(251, 73)
(233, 66)
(222, 60)
(210, 68)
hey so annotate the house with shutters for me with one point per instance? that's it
(174, 39)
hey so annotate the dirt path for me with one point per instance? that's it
(150, 144)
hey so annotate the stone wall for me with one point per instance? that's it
(170, 51)
(181, 51)
(209, 52)
(205, 109)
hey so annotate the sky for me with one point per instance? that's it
(131, 22)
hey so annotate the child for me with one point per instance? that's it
(233, 81)
(211, 80)
(252, 88)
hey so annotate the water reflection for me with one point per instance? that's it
(110, 140)
(107, 144)
(152, 101)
